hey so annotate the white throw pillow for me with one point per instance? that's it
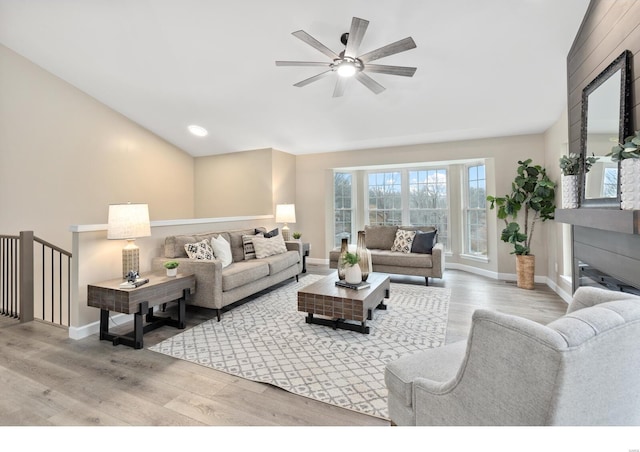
(266, 247)
(222, 250)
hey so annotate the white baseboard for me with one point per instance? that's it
(94, 327)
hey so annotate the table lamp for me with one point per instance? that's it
(128, 222)
(286, 213)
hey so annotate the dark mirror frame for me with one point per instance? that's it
(622, 63)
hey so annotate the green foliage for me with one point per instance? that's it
(351, 258)
(297, 235)
(630, 149)
(571, 164)
(171, 264)
(533, 193)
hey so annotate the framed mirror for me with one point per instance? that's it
(605, 122)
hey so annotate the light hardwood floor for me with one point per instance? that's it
(48, 379)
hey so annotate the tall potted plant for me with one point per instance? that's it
(532, 195)
(571, 166)
(628, 154)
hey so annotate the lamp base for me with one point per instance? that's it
(130, 259)
(286, 233)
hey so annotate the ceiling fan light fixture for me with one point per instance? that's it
(347, 66)
(346, 69)
(198, 131)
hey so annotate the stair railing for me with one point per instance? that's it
(20, 262)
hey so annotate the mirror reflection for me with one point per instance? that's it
(603, 116)
(605, 122)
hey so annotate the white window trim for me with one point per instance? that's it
(466, 254)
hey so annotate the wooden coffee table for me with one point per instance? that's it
(340, 306)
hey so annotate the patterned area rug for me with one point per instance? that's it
(267, 340)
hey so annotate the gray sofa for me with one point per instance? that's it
(380, 241)
(217, 287)
(581, 369)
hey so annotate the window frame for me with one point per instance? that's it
(467, 209)
(405, 211)
(352, 209)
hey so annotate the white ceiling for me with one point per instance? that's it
(485, 67)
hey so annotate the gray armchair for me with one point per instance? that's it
(581, 369)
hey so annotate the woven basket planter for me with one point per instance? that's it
(525, 270)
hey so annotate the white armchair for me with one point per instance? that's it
(581, 369)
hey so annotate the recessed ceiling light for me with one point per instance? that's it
(198, 131)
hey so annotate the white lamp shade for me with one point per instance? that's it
(285, 213)
(128, 221)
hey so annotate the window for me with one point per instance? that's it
(610, 183)
(428, 203)
(385, 198)
(416, 197)
(343, 206)
(476, 211)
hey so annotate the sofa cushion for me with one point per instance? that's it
(240, 273)
(222, 250)
(395, 259)
(174, 244)
(403, 241)
(266, 247)
(199, 250)
(235, 239)
(423, 242)
(379, 237)
(279, 262)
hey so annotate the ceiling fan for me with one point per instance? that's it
(348, 64)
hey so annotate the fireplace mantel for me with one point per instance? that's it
(612, 220)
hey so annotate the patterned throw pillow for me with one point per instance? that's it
(403, 241)
(247, 246)
(201, 250)
(266, 247)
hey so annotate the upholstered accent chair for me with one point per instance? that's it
(581, 369)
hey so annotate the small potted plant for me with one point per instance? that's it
(297, 235)
(172, 268)
(353, 273)
(571, 167)
(628, 154)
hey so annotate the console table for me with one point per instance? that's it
(161, 289)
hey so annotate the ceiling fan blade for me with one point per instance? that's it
(341, 84)
(405, 71)
(369, 82)
(313, 79)
(313, 42)
(356, 33)
(389, 49)
(301, 63)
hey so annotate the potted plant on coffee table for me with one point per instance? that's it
(532, 199)
(172, 268)
(353, 273)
